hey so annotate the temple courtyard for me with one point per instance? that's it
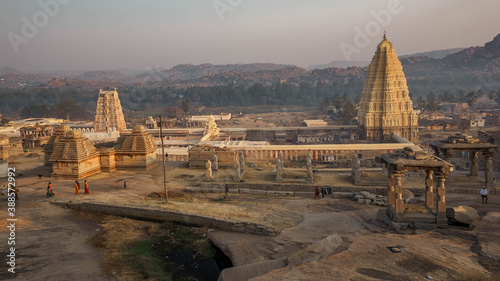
(285, 236)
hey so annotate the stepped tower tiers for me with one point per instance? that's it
(386, 107)
(54, 139)
(109, 113)
(136, 151)
(74, 157)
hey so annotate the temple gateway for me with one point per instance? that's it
(385, 106)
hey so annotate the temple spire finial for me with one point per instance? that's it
(385, 35)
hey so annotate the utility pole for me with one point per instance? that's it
(163, 160)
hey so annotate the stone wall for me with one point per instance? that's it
(76, 170)
(165, 215)
(108, 159)
(136, 161)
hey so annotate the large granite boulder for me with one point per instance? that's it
(462, 214)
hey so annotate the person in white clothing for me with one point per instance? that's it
(484, 195)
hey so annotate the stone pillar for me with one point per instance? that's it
(441, 200)
(474, 164)
(215, 161)
(279, 174)
(237, 171)
(488, 170)
(390, 189)
(242, 163)
(398, 200)
(429, 189)
(208, 175)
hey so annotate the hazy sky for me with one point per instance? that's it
(136, 34)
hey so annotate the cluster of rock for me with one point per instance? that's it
(365, 197)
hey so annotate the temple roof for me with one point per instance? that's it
(73, 147)
(59, 133)
(137, 142)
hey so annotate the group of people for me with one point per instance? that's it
(77, 187)
(323, 192)
(50, 192)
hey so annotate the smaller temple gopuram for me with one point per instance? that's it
(60, 132)
(109, 113)
(136, 151)
(74, 157)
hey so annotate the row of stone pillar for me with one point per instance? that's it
(395, 194)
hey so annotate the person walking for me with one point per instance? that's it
(86, 187)
(316, 193)
(124, 185)
(77, 187)
(484, 195)
(49, 190)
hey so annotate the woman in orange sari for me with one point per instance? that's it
(77, 187)
(86, 187)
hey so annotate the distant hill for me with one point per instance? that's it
(105, 75)
(190, 71)
(468, 69)
(438, 54)
(340, 64)
(5, 70)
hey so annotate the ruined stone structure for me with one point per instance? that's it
(280, 169)
(434, 211)
(447, 147)
(211, 131)
(49, 147)
(364, 177)
(386, 107)
(199, 155)
(109, 112)
(136, 151)
(227, 153)
(492, 137)
(4, 148)
(74, 157)
(36, 136)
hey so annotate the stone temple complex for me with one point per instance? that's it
(73, 156)
(386, 107)
(109, 113)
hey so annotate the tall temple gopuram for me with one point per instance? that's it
(386, 107)
(109, 114)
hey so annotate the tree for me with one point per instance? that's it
(471, 98)
(185, 106)
(431, 103)
(35, 111)
(323, 106)
(68, 108)
(348, 112)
